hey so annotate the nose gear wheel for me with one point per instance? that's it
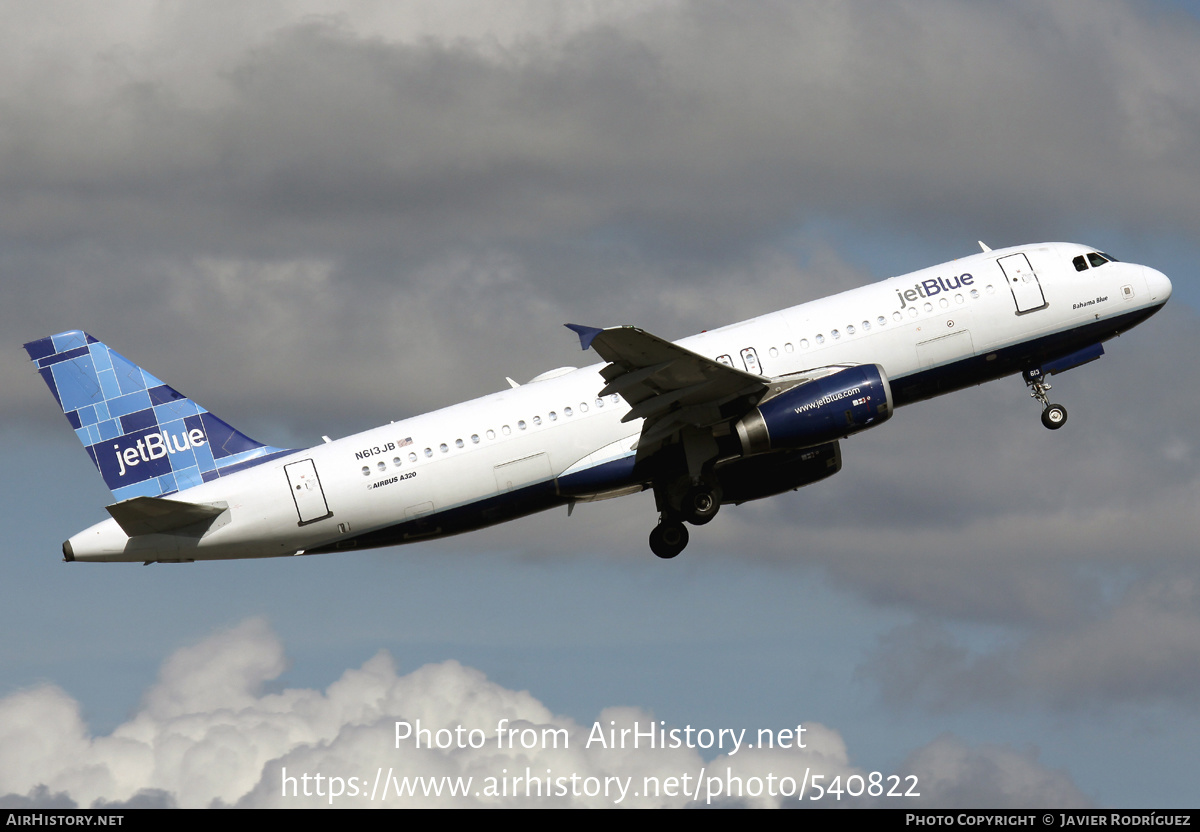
(1054, 416)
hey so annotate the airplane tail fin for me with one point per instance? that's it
(145, 438)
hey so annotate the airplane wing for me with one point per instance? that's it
(670, 387)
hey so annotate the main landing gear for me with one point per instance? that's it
(1054, 416)
(669, 538)
(697, 504)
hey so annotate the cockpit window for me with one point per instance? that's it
(1080, 263)
(1098, 259)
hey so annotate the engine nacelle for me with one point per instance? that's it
(818, 411)
(753, 478)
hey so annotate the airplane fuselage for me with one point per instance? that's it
(557, 440)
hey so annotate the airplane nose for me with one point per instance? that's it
(1158, 284)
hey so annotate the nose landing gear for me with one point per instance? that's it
(1054, 416)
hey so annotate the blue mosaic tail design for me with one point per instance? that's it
(145, 438)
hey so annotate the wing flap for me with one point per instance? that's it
(622, 381)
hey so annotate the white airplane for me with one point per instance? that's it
(731, 415)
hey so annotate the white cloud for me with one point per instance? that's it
(208, 735)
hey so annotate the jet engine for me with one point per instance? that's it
(818, 411)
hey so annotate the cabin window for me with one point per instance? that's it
(896, 315)
(959, 299)
(412, 457)
(474, 438)
(366, 470)
(599, 402)
(552, 416)
(583, 407)
(458, 443)
(428, 452)
(820, 339)
(803, 343)
(491, 434)
(506, 430)
(725, 359)
(928, 306)
(568, 411)
(974, 293)
(788, 347)
(381, 465)
(881, 320)
(521, 424)
(943, 303)
(537, 420)
(773, 352)
(396, 461)
(443, 447)
(850, 330)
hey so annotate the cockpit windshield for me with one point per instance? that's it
(1095, 258)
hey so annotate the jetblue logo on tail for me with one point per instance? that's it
(146, 439)
(155, 446)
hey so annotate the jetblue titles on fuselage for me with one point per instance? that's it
(933, 286)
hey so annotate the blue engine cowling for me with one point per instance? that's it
(819, 411)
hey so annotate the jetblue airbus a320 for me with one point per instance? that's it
(731, 415)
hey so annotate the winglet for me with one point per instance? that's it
(586, 334)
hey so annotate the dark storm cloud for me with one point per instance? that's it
(662, 126)
(189, 170)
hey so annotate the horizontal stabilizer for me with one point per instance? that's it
(157, 515)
